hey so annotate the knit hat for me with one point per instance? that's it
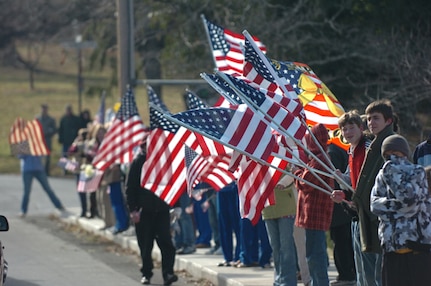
(396, 143)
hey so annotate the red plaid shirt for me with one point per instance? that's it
(314, 207)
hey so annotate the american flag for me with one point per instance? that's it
(211, 169)
(164, 171)
(230, 96)
(89, 184)
(320, 104)
(258, 69)
(211, 164)
(256, 185)
(270, 110)
(193, 101)
(26, 138)
(68, 165)
(207, 146)
(237, 127)
(125, 133)
(226, 47)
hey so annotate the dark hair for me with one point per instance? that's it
(384, 106)
(350, 117)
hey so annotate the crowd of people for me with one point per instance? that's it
(380, 226)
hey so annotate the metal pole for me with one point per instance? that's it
(123, 42)
(80, 79)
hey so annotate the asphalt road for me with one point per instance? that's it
(41, 251)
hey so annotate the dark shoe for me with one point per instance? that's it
(202, 245)
(145, 280)
(224, 263)
(170, 278)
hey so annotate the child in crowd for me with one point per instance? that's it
(401, 200)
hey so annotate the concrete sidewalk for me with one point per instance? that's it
(198, 264)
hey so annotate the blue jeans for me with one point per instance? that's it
(202, 222)
(317, 257)
(280, 233)
(118, 206)
(368, 265)
(229, 221)
(255, 245)
(27, 178)
(187, 236)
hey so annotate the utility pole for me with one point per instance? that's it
(78, 44)
(80, 81)
(125, 44)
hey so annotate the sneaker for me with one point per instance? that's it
(145, 280)
(343, 283)
(170, 278)
(224, 263)
(22, 215)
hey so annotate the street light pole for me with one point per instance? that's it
(80, 81)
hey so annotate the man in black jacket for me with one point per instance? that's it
(152, 221)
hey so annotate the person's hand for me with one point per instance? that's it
(135, 216)
(205, 206)
(189, 209)
(279, 187)
(338, 196)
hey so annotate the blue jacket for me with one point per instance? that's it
(422, 154)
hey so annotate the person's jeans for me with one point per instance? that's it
(202, 222)
(27, 178)
(372, 263)
(368, 265)
(317, 257)
(280, 233)
(212, 215)
(187, 236)
(229, 221)
(118, 206)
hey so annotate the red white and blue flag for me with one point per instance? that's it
(226, 48)
(26, 138)
(211, 169)
(164, 171)
(89, 184)
(122, 137)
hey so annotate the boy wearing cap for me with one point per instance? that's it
(401, 201)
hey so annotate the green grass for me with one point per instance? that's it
(55, 84)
